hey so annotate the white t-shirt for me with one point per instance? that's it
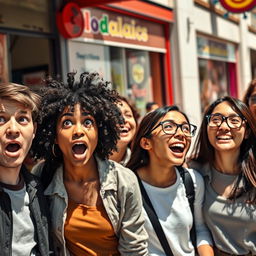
(23, 241)
(173, 211)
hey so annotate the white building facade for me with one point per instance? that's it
(212, 54)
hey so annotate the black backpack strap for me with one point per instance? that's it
(154, 219)
(190, 193)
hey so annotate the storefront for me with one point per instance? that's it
(253, 63)
(217, 69)
(27, 41)
(130, 50)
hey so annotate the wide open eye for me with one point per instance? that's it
(67, 123)
(2, 120)
(23, 120)
(88, 122)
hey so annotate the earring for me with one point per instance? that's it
(53, 150)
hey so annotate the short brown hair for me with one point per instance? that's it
(22, 95)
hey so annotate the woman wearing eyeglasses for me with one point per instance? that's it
(225, 155)
(250, 98)
(160, 145)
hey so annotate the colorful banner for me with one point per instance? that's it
(238, 6)
(103, 25)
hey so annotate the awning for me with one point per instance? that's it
(141, 8)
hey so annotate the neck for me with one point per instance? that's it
(119, 155)
(157, 175)
(226, 162)
(87, 172)
(9, 175)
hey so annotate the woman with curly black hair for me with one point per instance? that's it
(95, 203)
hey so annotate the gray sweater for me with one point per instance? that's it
(232, 223)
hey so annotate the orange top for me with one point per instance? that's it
(88, 231)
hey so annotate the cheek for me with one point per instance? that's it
(211, 136)
(62, 137)
(93, 137)
(29, 133)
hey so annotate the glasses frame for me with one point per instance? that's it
(194, 128)
(224, 118)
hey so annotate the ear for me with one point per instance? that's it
(145, 143)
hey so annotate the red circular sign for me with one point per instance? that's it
(70, 21)
(238, 6)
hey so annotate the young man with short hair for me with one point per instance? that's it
(23, 215)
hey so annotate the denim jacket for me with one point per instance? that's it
(121, 198)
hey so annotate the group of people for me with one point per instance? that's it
(107, 185)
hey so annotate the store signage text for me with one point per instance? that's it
(114, 27)
(207, 48)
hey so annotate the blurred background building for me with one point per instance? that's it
(187, 52)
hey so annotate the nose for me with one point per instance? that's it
(224, 125)
(78, 130)
(179, 132)
(13, 129)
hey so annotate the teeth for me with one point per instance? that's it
(224, 138)
(178, 145)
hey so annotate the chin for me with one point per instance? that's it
(178, 161)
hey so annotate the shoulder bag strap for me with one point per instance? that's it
(190, 193)
(154, 219)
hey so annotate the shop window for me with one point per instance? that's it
(128, 70)
(118, 70)
(26, 14)
(139, 78)
(89, 58)
(31, 66)
(214, 82)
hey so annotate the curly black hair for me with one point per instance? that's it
(94, 95)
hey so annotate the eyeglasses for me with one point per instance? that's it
(252, 99)
(170, 128)
(233, 122)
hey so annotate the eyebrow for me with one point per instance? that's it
(173, 121)
(72, 114)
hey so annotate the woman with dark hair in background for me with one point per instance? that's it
(95, 203)
(250, 98)
(160, 146)
(225, 153)
(128, 130)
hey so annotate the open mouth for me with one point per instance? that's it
(223, 138)
(177, 148)
(13, 147)
(79, 148)
(124, 130)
